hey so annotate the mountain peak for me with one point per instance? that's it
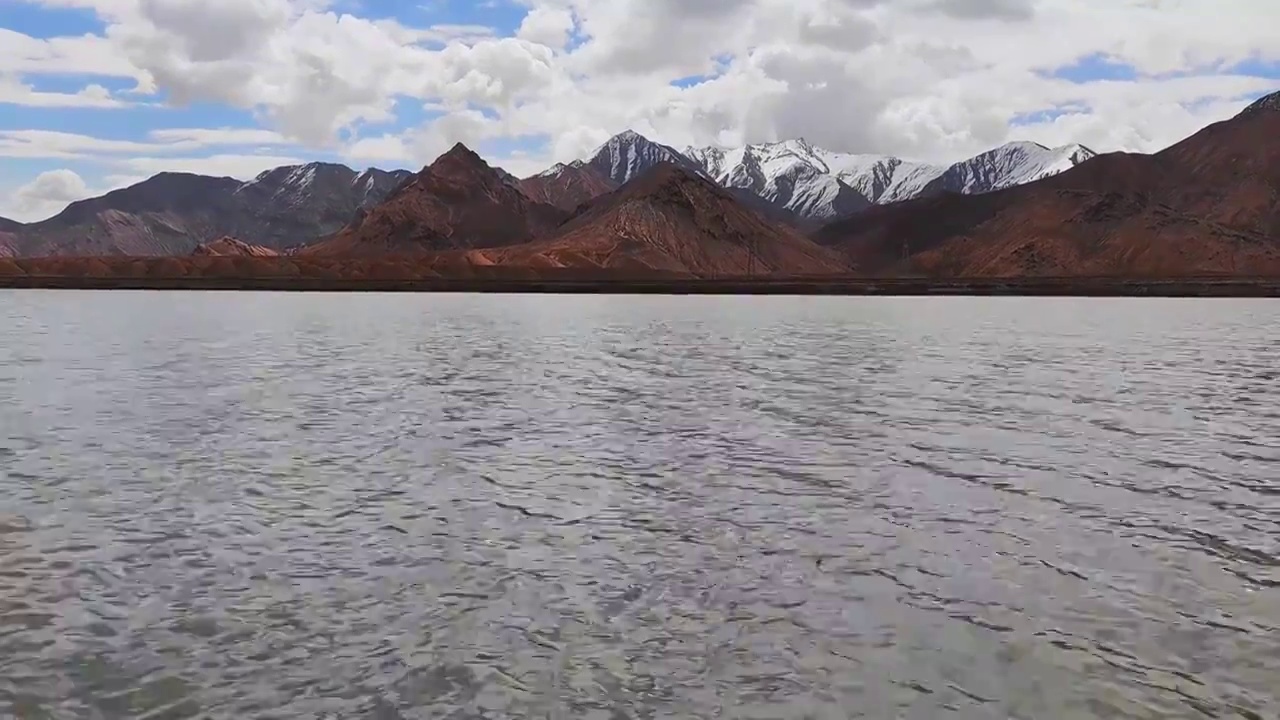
(554, 170)
(461, 161)
(672, 218)
(1266, 103)
(1020, 145)
(460, 152)
(1078, 152)
(629, 154)
(626, 138)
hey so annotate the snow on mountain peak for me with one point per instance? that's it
(1019, 146)
(302, 176)
(553, 170)
(1014, 163)
(622, 139)
(629, 154)
(818, 184)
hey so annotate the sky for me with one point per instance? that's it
(99, 94)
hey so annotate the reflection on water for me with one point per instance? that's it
(340, 506)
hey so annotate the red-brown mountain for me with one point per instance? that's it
(8, 238)
(568, 186)
(1207, 205)
(671, 219)
(457, 202)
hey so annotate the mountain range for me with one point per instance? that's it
(790, 182)
(172, 213)
(1209, 204)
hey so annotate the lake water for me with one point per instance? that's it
(453, 506)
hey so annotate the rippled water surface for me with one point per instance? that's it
(449, 506)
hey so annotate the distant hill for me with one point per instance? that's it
(172, 213)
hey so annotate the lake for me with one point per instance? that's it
(234, 505)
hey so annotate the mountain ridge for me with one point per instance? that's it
(672, 219)
(172, 213)
(1203, 206)
(458, 202)
(811, 185)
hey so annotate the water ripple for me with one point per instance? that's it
(257, 505)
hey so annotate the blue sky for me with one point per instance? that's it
(45, 128)
(137, 122)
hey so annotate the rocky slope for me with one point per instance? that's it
(8, 240)
(458, 202)
(1207, 205)
(567, 186)
(292, 204)
(172, 213)
(672, 219)
(231, 247)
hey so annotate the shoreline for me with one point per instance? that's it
(851, 286)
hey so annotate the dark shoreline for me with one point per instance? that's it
(1079, 287)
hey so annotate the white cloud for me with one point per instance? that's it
(243, 167)
(928, 79)
(80, 55)
(189, 137)
(51, 191)
(56, 144)
(46, 195)
(15, 92)
(548, 26)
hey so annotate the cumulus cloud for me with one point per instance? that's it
(46, 195)
(926, 79)
(549, 26)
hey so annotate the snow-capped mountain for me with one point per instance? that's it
(809, 184)
(819, 185)
(792, 174)
(292, 185)
(1015, 163)
(629, 154)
